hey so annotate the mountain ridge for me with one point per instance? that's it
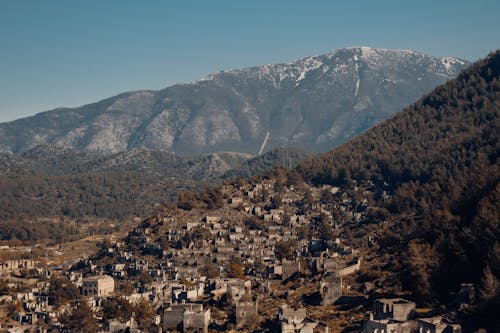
(313, 103)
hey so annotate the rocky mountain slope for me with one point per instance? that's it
(313, 103)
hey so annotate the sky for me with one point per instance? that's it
(66, 53)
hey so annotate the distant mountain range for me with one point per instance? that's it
(314, 103)
(57, 161)
(51, 181)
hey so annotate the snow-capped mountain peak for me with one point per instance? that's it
(315, 103)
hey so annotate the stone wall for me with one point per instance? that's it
(244, 312)
(330, 290)
(347, 270)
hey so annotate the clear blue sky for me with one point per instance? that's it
(70, 53)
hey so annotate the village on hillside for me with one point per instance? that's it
(260, 256)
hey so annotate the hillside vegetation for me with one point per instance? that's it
(440, 161)
(60, 183)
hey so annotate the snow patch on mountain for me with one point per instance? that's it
(449, 63)
(309, 65)
(356, 68)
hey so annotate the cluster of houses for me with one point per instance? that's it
(396, 315)
(201, 270)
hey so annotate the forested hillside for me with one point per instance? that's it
(54, 182)
(440, 160)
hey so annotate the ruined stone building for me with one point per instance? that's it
(393, 308)
(245, 312)
(391, 315)
(11, 265)
(386, 326)
(99, 285)
(196, 320)
(436, 325)
(330, 289)
(289, 268)
(296, 321)
(190, 317)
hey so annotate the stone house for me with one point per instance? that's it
(191, 225)
(296, 321)
(236, 230)
(436, 325)
(274, 270)
(277, 212)
(228, 250)
(386, 326)
(212, 219)
(235, 201)
(192, 317)
(182, 293)
(330, 289)
(236, 237)
(349, 268)
(274, 231)
(245, 311)
(288, 314)
(196, 320)
(289, 268)
(237, 289)
(393, 308)
(116, 325)
(99, 285)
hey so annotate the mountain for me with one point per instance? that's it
(313, 103)
(438, 164)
